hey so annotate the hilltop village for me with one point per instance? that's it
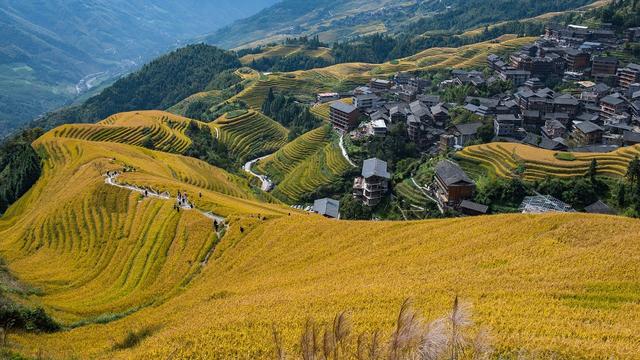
(573, 90)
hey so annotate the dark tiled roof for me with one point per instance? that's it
(450, 173)
(612, 100)
(631, 136)
(375, 167)
(599, 207)
(551, 144)
(588, 127)
(635, 67)
(340, 106)
(469, 129)
(466, 204)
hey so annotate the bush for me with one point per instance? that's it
(35, 320)
(133, 338)
(565, 156)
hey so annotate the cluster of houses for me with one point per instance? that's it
(600, 111)
(383, 102)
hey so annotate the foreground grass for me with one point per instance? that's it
(550, 285)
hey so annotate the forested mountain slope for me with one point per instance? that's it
(340, 20)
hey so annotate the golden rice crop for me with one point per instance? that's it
(504, 158)
(562, 286)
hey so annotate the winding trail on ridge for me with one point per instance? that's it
(110, 179)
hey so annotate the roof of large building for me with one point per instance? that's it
(344, 107)
(613, 100)
(588, 127)
(507, 117)
(468, 129)
(419, 109)
(543, 203)
(566, 99)
(634, 67)
(631, 137)
(375, 167)
(451, 173)
(327, 207)
(599, 207)
(470, 205)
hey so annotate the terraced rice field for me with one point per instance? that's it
(166, 130)
(342, 77)
(285, 51)
(283, 161)
(504, 159)
(250, 135)
(322, 168)
(103, 254)
(213, 96)
(512, 268)
(96, 251)
(409, 192)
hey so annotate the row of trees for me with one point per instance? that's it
(289, 63)
(207, 148)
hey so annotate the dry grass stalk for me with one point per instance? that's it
(277, 340)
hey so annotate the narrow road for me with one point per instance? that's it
(344, 151)
(267, 185)
(217, 133)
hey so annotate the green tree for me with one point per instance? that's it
(352, 209)
(148, 143)
(622, 195)
(593, 170)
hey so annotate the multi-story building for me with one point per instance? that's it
(373, 185)
(604, 69)
(343, 116)
(507, 125)
(632, 34)
(566, 104)
(380, 85)
(365, 101)
(451, 184)
(611, 106)
(327, 97)
(629, 75)
(517, 77)
(587, 133)
(576, 60)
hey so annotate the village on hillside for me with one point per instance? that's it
(569, 91)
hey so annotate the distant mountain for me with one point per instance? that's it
(336, 20)
(52, 50)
